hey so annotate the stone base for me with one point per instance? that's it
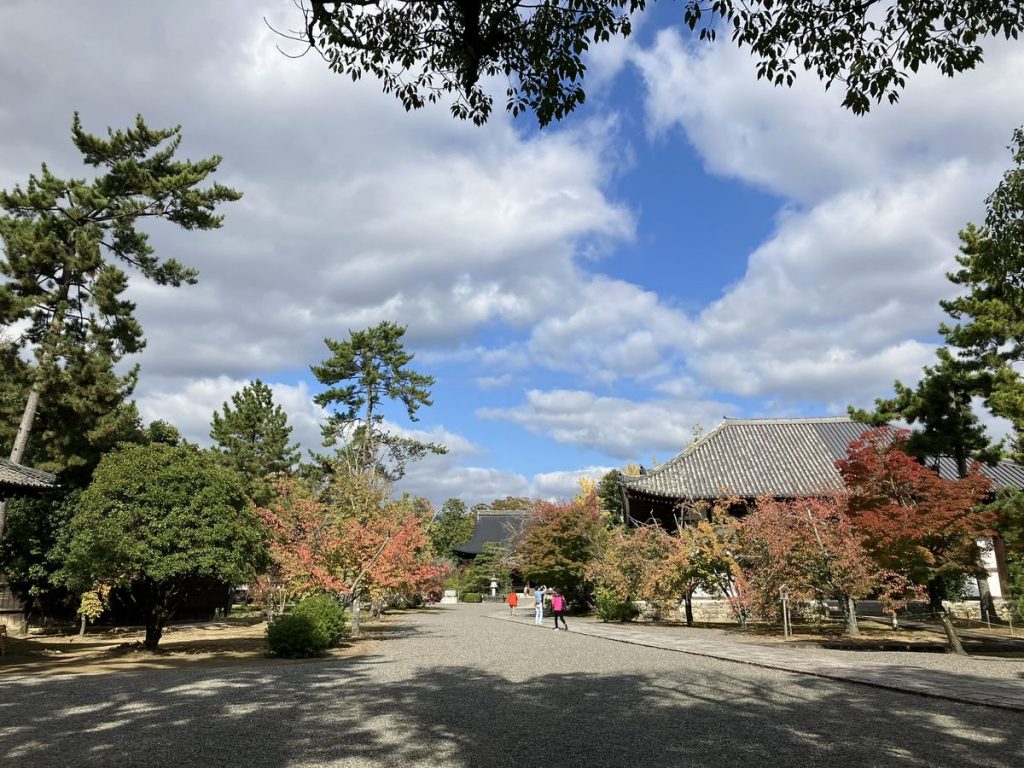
(450, 597)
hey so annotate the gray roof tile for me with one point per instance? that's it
(19, 476)
(776, 457)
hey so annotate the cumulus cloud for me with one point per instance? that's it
(353, 212)
(190, 405)
(615, 426)
(799, 142)
(842, 297)
(565, 484)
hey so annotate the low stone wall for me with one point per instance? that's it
(716, 610)
(971, 609)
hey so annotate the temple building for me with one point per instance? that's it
(781, 458)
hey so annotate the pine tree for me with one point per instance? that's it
(361, 376)
(941, 406)
(989, 327)
(252, 436)
(64, 241)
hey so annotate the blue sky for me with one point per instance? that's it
(691, 244)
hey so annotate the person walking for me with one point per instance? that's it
(513, 602)
(558, 608)
(538, 605)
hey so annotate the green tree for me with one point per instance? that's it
(507, 504)
(559, 543)
(941, 406)
(84, 411)
(63, 241)
(989, 319)
(1008, 507)
(454, 525)
(157, 520)
(423, 52)
(609, 494)
(493, 562)
(29, 557)
(252, 436)
(161, 431)
(361, 376)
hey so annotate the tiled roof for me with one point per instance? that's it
(754, 457)
(775, 457)
(1005, 474)
(499, 526)
(17, 476)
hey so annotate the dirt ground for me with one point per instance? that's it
(212, 644)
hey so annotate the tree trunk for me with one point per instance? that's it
(850, 614)
(28, 416)
(81, 628)
(154, 631)
(355, 616)
(688, 600)
(987, 604)
(951, 635)
(936, 591)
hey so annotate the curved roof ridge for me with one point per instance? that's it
(691, 448)
(789, 420)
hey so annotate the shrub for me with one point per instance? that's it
(295, 636)
(324, 611)
(610, 608)
(472, 597)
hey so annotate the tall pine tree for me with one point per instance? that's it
(940, 406)
(362, 375)
(989, 319)
(252, 434)
(64, 242)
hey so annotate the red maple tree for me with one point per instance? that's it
(914, 522)
(808, 545)
(378, 547)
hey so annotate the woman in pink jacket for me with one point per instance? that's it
(558, 608)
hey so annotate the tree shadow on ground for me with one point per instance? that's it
(373, 711)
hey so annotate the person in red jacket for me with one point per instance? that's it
(558, 606)
(513, 601)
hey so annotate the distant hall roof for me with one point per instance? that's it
(497, 526)
(784, 458)
(17, 477)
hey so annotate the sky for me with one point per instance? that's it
(691, 244)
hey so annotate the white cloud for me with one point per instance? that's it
(618, 427)
(842, 297)
(799, 142)
(564, 484)
(354, 211)
(616, 329)
(190, 404)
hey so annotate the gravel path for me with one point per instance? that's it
(453, 688)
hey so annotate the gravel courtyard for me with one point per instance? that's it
(454, 688)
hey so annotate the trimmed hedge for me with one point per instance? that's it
(295, 636)
(324, 611)
(472, 597)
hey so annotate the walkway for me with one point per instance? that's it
(968, 688)
(451, 688)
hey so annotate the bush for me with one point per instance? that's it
(472, 597)
(610, 608)
(295, 636)
(324, 611)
